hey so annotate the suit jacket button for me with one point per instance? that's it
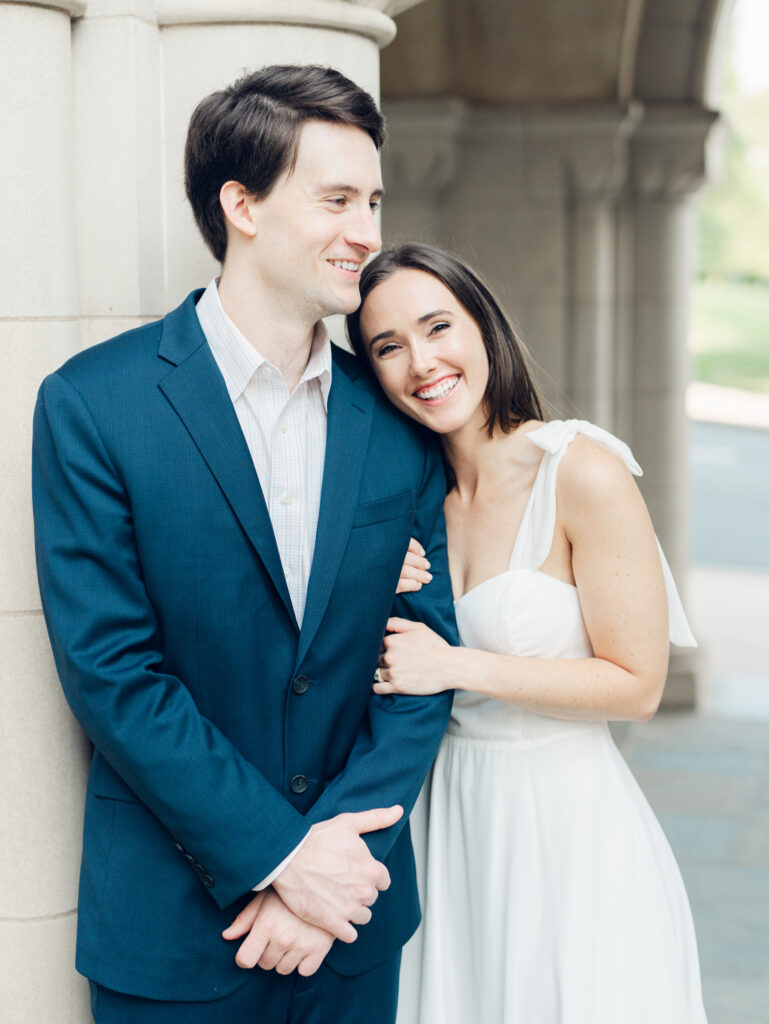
(300, 684)
(299, 784)
(207, 881)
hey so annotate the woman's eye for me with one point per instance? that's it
(383, 351)
(442, 326)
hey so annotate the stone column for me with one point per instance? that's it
(206, 44)
(43, 756)
(96, 238)
(119, 165)
(577, 160)
(667, 167)
(530, 198)
(419, 166)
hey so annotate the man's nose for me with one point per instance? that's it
(365, 232)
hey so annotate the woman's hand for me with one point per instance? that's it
(414, 573)
(415, 660)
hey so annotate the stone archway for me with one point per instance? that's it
(557, 148)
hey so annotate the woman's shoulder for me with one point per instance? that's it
(595, 470)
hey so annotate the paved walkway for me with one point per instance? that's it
(707, 779)
(706, 774)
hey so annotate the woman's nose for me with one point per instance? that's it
(422, 359)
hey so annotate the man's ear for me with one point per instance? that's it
(235, 204)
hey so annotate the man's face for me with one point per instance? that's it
(316, 228)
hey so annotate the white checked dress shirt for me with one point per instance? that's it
(286, 436)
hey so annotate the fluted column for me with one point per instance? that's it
(667, 167)
(43, 756)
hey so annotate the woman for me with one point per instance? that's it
(550, 893)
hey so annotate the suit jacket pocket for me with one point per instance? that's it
(104, 781)
(382, 510)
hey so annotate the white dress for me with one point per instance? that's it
(549, 892)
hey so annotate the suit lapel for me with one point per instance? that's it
(197, 392)
(350, 413)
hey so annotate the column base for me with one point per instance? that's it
(682, 686)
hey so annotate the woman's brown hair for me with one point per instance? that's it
(511, 396)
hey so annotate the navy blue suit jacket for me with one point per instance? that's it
(177, 647)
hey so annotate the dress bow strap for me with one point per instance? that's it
(554, 438)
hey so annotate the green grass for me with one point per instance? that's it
(729, 334)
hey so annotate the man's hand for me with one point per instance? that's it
(333, 880)
(277, 938)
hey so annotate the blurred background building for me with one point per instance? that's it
(556, 143)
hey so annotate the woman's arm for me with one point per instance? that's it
(618, 574)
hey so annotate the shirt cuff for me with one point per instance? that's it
(283, 864)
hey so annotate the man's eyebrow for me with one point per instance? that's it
(350, 190)
(420, 320)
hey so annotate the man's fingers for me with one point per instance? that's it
(250, 950)
(289, 962)
(361, 916)
(344, 932)
(310, 964)
(244, 920)
(375, 819)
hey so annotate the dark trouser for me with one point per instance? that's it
(325, 998)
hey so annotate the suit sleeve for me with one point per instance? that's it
(107, 649)
(400, 735)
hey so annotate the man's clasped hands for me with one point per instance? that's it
(328, 887)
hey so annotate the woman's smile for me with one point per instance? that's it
(439, 391)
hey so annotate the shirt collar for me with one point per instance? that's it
(237, 358)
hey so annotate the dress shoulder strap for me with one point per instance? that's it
(535, 537)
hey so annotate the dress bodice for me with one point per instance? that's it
(528, 613)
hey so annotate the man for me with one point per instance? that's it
(222, 507)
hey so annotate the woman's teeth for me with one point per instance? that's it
(438, 390)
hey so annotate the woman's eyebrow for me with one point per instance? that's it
(379, 337)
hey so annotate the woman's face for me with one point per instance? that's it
(426, 350)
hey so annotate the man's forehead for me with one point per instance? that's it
(338, 153)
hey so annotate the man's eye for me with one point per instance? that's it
(375, 204)
(339, 201)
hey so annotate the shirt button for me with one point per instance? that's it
(300, 684)
(283, 428)
(287, 498)
(266, 370)
(299, 784)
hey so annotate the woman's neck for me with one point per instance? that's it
(480, 462)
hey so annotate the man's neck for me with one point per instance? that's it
(281, 337)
